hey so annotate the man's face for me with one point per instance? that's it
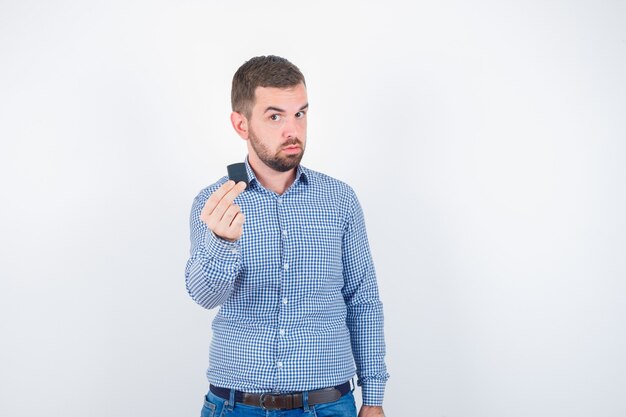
(277, 126)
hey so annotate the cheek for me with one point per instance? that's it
(302, 127)
(266, 136)
(273, 139)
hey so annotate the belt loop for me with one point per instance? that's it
(231, 400)
(352, 386)
(305, 401)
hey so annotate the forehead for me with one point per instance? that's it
(285, 98)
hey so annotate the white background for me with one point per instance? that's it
(485, 139)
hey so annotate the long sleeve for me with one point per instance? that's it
(364, 309)
(297, 296)
(214, 263)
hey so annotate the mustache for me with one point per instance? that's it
(291, 142)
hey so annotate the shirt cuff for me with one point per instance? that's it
(373, 392)
(221, 249)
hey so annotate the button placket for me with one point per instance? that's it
(283, 219)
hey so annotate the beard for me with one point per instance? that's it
(277, 161)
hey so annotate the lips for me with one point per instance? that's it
(291, 149)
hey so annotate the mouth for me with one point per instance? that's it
(292, 149)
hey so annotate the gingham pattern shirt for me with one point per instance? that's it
(299, 302)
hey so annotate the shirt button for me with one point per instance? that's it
(282, 332)
(279, 364)
(286, 266)
(284, 233)
(279, 200)
(285, 301)
(234, 251)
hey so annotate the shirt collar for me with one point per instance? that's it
(302, 176)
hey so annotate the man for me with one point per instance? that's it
(289, 263)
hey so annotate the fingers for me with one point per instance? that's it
(218, 195)
(221, 216)
(231, 226)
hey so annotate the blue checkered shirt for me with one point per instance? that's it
(299, 301)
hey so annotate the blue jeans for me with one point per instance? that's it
(215, 406)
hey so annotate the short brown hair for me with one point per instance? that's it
(261, 71)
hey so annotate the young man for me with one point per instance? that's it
(288, 261)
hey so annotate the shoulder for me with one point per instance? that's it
(327, 188)
(324, 183)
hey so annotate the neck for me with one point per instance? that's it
(271, 179)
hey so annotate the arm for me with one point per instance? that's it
(215, 259)
(364, 312)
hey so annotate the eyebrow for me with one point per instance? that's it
(279, 110)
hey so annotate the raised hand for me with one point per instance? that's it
(221, 215)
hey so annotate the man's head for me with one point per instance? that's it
(270, 104)
(261, 71)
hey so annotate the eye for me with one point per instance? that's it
(275, 117)
(300, 114)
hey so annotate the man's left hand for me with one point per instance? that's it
(371, 411)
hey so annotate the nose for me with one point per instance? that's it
(290, 128)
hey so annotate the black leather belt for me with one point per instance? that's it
(275, 401)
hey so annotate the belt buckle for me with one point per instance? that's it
(263, 398)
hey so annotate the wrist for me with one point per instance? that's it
(371, 411)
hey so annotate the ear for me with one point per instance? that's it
(240, 124)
